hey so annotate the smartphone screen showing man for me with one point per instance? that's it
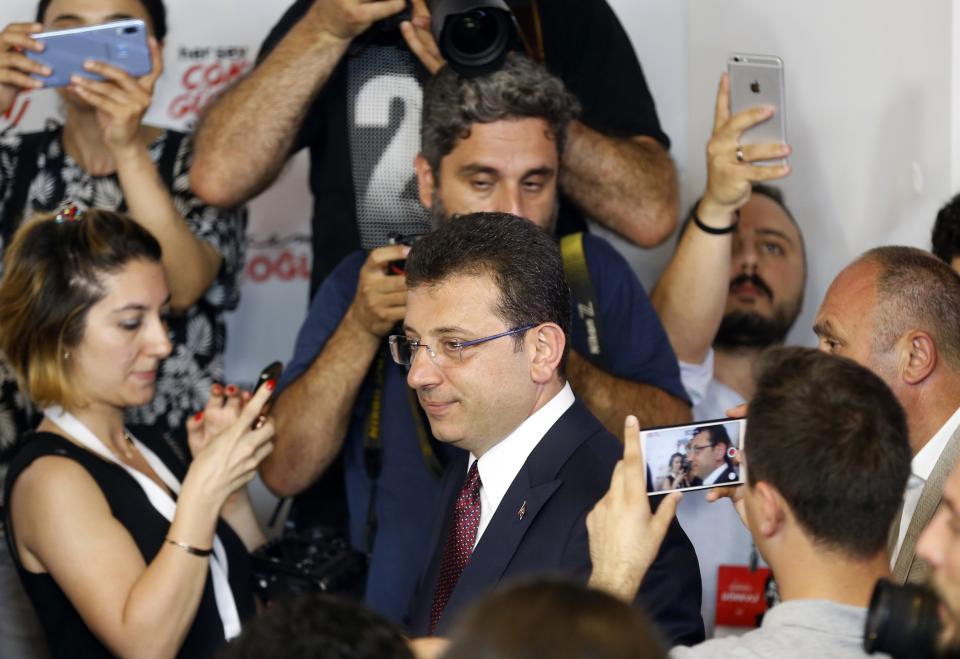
(694, 456)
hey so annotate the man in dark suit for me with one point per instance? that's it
(708, 451)
(488, 304)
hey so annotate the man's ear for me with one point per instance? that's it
(425, 181)
(916, 356)
(545, 344)
(770, 509)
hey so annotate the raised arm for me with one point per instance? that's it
(136, 609)
(247, 134)
(313, 412)
(627, 184)
(691, 295)
(612, 398)
(190, 263)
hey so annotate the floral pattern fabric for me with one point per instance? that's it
(198, 335)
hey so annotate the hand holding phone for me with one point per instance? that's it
(16, 68)
(757, 80)
(695, 456)
(121, 44)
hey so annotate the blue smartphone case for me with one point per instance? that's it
(122, 44)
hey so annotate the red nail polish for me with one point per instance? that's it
(270, 385)
(216, 389)
(198, 417)
(231, 390)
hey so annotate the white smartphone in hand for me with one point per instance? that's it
(758, 80)
(694, 456)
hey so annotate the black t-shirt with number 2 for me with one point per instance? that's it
(363, 128)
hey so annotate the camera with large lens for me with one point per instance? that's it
(474, 36)
(902, 621)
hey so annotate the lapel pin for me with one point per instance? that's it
(522, 511)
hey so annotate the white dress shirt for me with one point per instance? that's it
(920, 469)
(715, 474)
(500, 465)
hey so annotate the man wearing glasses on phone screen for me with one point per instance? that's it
(707, 451)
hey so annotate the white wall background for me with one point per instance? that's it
(872, 95)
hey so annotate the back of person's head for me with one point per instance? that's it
(318, 626)
(155, 10)
(915, 291)
(552, 619)
(523, 261)
(520, 89)
(52, 277)
(831, 437)
(946, 231)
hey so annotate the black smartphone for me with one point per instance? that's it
(399, 266)
(695, 456)
(271, 372)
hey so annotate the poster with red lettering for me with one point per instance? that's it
(742, 595)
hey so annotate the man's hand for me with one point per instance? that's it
(381, 299)
(735, 492)
(624, 535)
(345, 19)
(416, 32)
(15, 66)
(729, 179)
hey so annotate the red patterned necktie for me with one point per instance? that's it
(459, 544)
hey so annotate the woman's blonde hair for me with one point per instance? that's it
(53, 272)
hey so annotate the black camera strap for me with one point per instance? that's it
(527, 13)
(373, 441)
(586, 307)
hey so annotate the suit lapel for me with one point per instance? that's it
(531, 489)
(908, 567)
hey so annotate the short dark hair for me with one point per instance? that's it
(915, 290)
(318, 626)
(520, 89)
(946, 231)
(52, 273)
(155, 10)
(523, 260)
(718, 434)
(831, 437)
(536, 619)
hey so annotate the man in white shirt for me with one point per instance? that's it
(733, 288)
(896, 310)
(485, 338)
(825, 465)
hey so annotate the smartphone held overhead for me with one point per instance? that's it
(757, 80)
(123, 44)
(694, 456)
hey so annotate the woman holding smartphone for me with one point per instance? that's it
(104, 156)
(122, 550)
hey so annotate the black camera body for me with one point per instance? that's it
(399, 266)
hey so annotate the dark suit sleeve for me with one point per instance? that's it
(671, 591)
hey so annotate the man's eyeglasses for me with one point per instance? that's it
(694, 449)
(403, 349)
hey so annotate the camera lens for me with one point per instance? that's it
(130, 30)
(902, 621)
(474, 33)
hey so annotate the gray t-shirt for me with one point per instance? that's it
(796, 629)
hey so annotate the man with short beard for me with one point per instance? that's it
(733, 288)
(735, 284)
